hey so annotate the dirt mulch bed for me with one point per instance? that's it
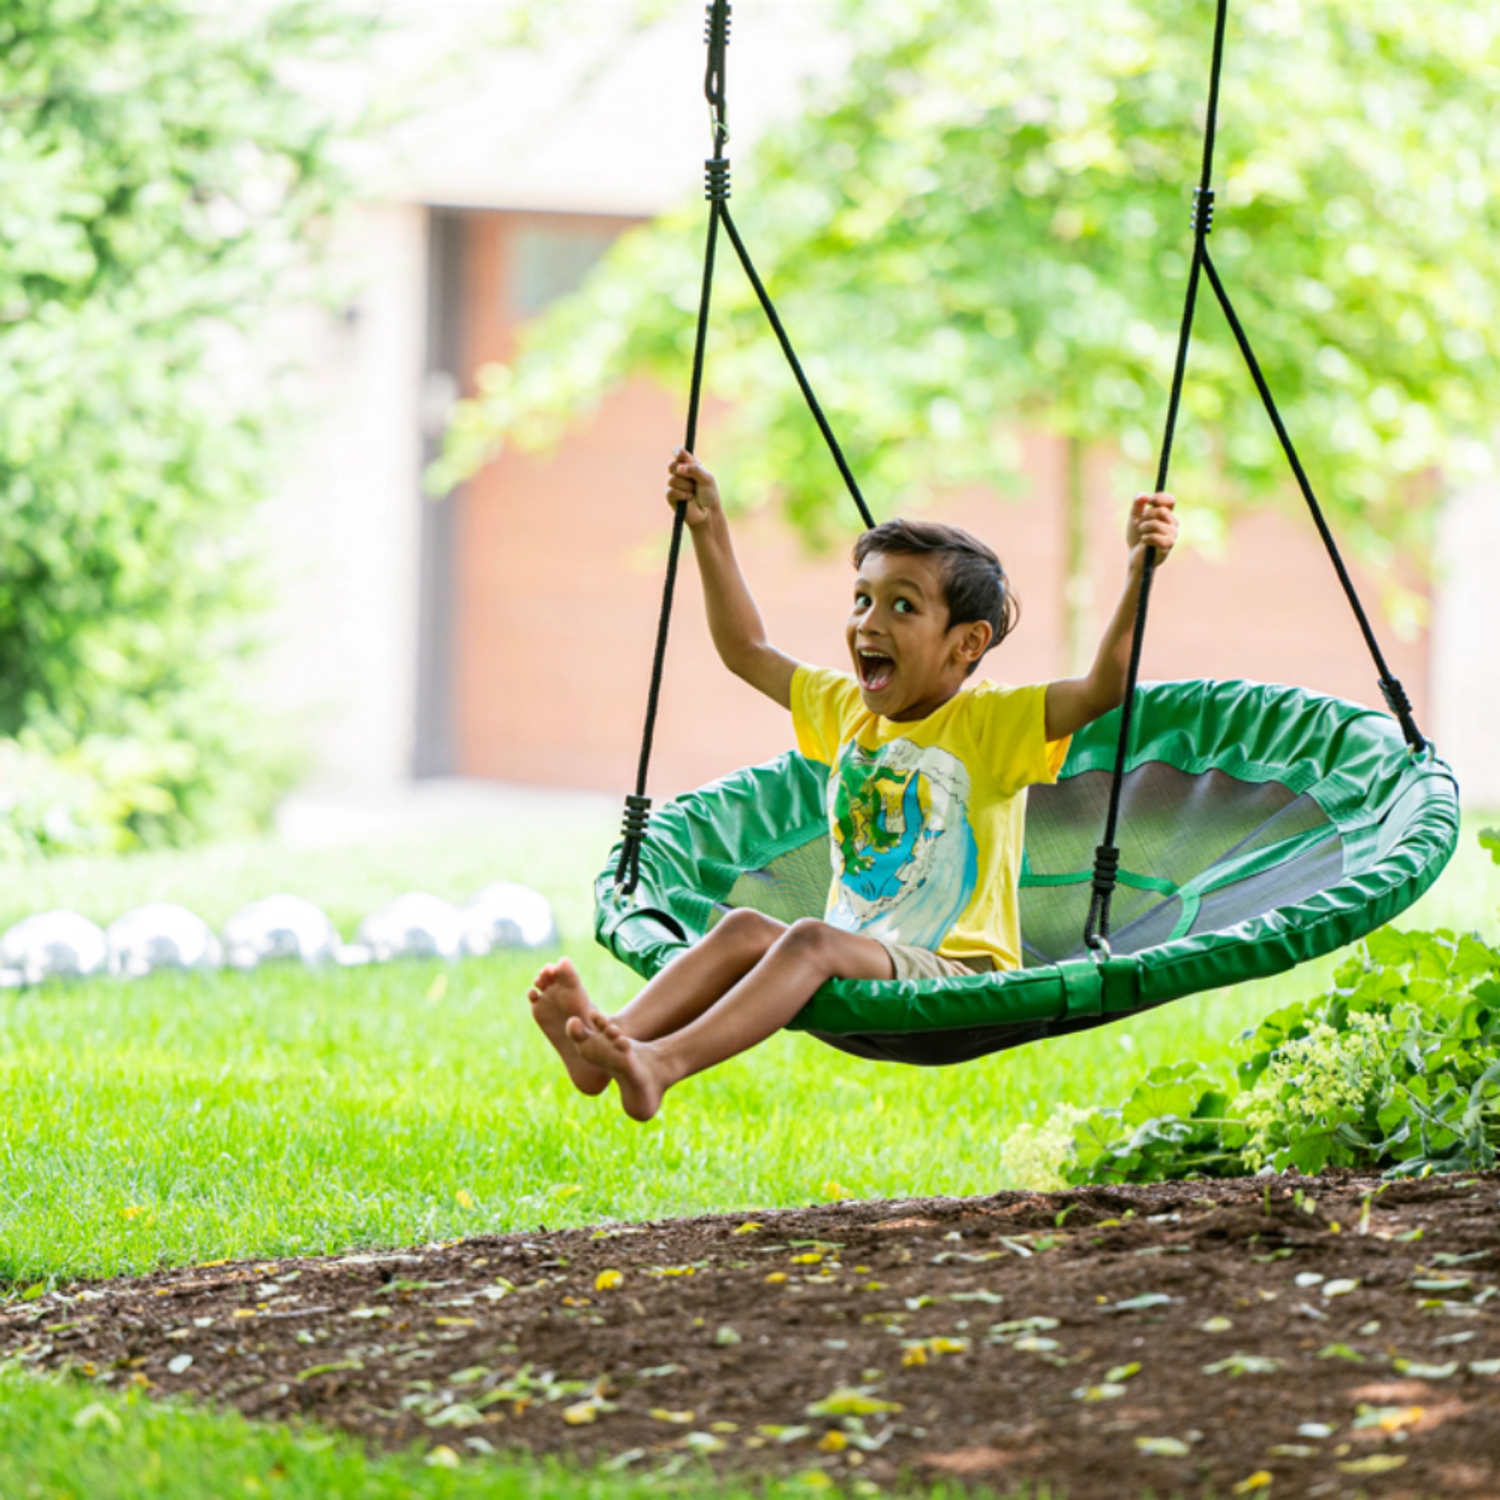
(1339, 1339)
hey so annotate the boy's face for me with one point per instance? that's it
(907, 658)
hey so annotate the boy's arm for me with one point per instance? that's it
(1080, 700)
(734, 622)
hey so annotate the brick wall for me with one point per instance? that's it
(558, 577)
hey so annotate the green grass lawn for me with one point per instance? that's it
(189, 1117)
(185, 1118)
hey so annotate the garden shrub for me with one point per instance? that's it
(1396, 1069)
(166, 183)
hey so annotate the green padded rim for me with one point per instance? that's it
(1396, 813)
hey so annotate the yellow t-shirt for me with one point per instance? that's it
(926, 819)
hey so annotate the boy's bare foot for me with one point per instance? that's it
(631, 1064)
(557, 996)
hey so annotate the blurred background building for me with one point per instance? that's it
(504, 633)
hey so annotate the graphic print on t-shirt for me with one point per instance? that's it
(905, 862)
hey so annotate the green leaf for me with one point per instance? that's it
(1243, 1364)
(852, 1401)
(1140, 1303)
(1420, 1371)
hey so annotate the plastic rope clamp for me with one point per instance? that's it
(635, 826)
(716, 180)
(711, 11)
(1203, 211)
(637, 817)
(1106, 869)
(1401, 709)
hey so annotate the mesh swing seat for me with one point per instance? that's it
(1246, 828)
(1266, 826)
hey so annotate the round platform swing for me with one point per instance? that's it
(1264, 825)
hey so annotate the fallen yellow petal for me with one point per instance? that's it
(916, 1355)
(833, 1441)
(1259, 1480)
(1396, 1420)
(607, 1280)
(777, 1276)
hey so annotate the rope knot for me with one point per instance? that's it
(716, 180)
(716, 34)
(1203, 211)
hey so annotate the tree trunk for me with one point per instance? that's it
(1078, 578)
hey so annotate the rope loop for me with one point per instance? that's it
(1203, 211)
(716, 180)
(716, 34)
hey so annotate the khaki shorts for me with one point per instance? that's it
(923, 963)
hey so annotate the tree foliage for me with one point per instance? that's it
(984, 225)
(162, 181)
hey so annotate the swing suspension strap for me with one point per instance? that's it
(716, 182)
(1107, 854)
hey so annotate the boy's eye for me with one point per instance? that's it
(903, 607)
(861, 601)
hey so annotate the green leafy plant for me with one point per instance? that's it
(166, 183)
(1396, 1069)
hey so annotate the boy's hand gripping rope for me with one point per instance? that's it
(1107, 854)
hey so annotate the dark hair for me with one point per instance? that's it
(974, 583)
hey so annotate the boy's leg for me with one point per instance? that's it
(679, 994)
(806, 954)
(701, 976)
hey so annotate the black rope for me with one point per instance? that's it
(802, 382)
(1390, 688)
(638, 805)
(1107, 854)
(717, 188)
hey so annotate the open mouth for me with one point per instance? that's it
(875, 670)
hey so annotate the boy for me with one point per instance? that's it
(925, 796)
